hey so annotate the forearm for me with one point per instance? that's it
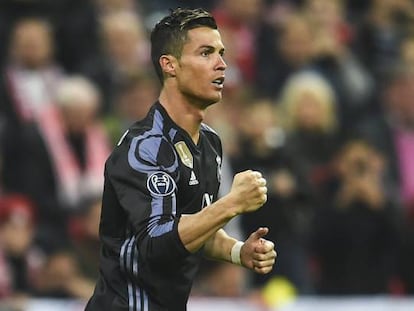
(219, 246)
(248, 193)
(197, 229)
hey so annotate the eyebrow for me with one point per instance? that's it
(212, 48)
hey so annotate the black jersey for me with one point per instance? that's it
(154, 175)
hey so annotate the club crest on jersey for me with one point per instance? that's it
(160, 184)
(185, 154)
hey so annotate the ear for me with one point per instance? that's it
(168, 64)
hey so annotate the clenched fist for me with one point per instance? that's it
(249, 191)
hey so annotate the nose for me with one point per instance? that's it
(221, 65)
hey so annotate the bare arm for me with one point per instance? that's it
(248, 193)
(256, 254)
(219, 246)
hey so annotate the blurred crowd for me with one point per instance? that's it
(319, 97)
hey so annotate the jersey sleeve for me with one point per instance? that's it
(144, 175)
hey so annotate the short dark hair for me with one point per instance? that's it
(170, 34)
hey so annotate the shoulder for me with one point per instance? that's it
(146, 147)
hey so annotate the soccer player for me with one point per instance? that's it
(160, 210)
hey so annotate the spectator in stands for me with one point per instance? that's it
(380, 33)
(76, 141)
(31, 73)
(333, 58)
(125, 40)
(27, 90)
(126, 53)
(309, 113)
(68, 148)
(392, 133)
(12, 11)
(76, 24)
(283, 50)
(20, 260)
(356, 230)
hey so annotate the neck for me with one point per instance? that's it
(183, 112)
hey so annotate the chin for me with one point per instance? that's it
(211, 102)
(215, 99)
(206, 101)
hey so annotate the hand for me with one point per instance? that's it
(366, 189)
(283, 183)
(371, 192)
(257, 253)
(248, 191)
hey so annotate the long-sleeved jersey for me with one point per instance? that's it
(154, 175)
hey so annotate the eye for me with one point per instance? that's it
(206, 51)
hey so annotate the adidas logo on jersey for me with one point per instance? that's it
(193, 179)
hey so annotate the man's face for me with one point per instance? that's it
(32, 46)
(200, 70)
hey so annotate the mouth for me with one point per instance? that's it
(219, 82)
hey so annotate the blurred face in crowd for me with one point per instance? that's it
(244, 10)
(114, 5)
(295, 43)
(31, 45)
(79, 114)
(123, 36)
(78, 101)
(309, 112)
(16, 234)
(199, 71)
(325, 13)
(357, 159)
(258, 119)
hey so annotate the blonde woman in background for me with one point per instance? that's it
(308, 102)
(309, 108)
